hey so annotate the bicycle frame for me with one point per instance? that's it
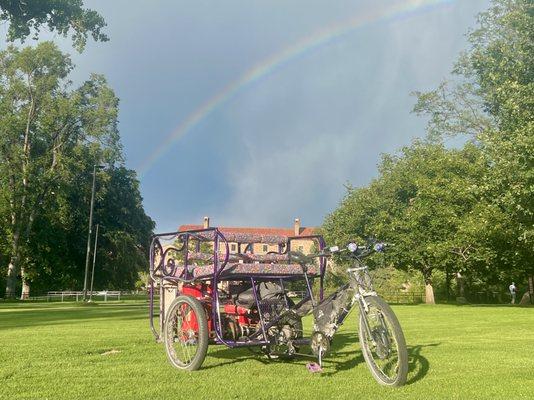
(361, 285)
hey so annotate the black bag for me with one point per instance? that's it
(266, 291)
(327, 312)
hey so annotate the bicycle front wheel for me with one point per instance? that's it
(383, 344)
(186, 333)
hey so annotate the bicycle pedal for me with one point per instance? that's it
(313, 367)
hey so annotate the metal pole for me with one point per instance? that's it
(94, 261)
(89, 234)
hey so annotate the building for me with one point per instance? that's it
(303, 245)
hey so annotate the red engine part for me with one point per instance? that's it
(199, 291)
(190, 320)
(202, 292)
(243, 314)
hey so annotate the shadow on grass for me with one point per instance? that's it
(234, 356)
(339, 349)
(67, 314)
(344, 355)
(460, 305)
(507, 305)
(418, 365)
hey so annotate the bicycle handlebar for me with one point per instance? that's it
(353, 250)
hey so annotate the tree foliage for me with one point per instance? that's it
(50, 137)
(497, 78)
(466, 211)
(418, 203)
(61, 16)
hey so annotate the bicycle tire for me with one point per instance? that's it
(196, 332)
(394, 329)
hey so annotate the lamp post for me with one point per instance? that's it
(94, 261)
(90, 230)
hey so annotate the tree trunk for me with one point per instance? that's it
(531, 288)
(460, 285)
(429, 293)
(429, 289)
(11, 278)
(25, 293)
(12, 269)
(448, 279)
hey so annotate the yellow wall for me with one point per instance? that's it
(304, 245)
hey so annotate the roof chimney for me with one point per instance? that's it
(297, 226)
(206, 222)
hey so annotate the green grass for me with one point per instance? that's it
(54, 351)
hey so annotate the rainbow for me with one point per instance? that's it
(318, 39)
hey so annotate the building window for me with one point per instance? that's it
(233, 247)
(265, 248)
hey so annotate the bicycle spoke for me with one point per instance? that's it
(382, 344)
(184, 344)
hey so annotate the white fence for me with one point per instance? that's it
(78, 296)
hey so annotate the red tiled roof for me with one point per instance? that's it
(304, 231)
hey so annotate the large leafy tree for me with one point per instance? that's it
(419, 203)
(61, 16)
(467, 211)
(125, 231)
(42, 123)
(59, 239)
(492, 102)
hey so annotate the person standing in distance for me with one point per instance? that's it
(513, 291)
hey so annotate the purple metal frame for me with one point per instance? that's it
(214, 235)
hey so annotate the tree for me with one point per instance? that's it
(126, 230)
(501, 63)
(57, 245)
(42, 123)
(466, 210)
(62, 16)
(496, 111)
(418, 203)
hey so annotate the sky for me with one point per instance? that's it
(258, 112)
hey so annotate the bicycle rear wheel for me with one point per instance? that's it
(383, 344)
(186, 333)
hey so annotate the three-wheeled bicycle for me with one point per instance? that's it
(208, 293)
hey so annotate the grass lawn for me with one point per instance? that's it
(53, 350)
